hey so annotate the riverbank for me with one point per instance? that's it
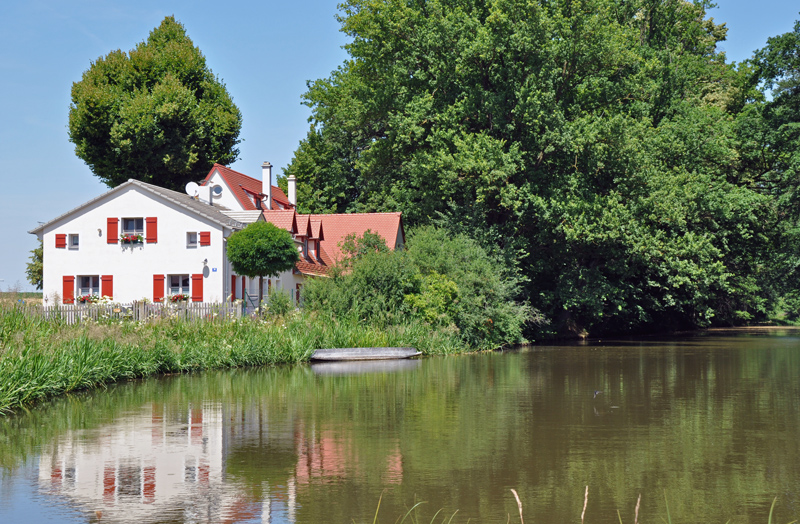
(40, 359)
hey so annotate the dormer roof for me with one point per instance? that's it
(303, 229)
(316, 230)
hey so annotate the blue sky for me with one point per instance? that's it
(264, 51)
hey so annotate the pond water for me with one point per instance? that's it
(705, 427)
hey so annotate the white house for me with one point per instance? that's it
(140, 241)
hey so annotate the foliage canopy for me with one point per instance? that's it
(592, 144)
(34, 270)
(156, 112)
(261, 249)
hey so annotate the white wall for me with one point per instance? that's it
(227, 198)
(133, 266)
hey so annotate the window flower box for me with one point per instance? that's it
(180, 297)
(88, 299)
(131, 239)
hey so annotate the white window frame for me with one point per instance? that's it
(192, 239)
(73, 241)
(138, 226)
(90, 286)
(183, 284)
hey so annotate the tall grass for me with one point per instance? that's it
(42, 358)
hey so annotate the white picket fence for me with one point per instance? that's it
(140, 311)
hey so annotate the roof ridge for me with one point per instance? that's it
(351, 214)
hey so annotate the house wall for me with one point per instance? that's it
(132, 266)
(226, 199)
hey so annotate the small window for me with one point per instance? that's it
(74, 241)
(179, 284)
(89, 285)
(191, 239)
(133, 226)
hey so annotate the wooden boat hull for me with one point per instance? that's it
(364, 353)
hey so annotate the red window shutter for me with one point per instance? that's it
(113, 230)
(205, 238)
(233, 287)
(149, 485)
(197, 287)
(152, 229)
(68, 290)
(107, 286)
(158, 288)
(61, 240)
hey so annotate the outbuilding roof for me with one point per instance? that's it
(338, 226)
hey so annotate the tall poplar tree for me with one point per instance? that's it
(156, 113)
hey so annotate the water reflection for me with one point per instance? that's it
(162, 464)
(711, 421)
(364, 366)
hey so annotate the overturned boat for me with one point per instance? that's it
(364, 353)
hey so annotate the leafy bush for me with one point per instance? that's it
(279, 302)
(446, 280)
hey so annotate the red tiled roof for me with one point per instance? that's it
(283, 218)
(338, 226)
(311, 266)
(241, 184)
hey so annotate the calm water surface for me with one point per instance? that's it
(711, 422)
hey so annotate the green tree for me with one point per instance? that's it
(262, 249)
(34, 271)
(591, 143)
(769, 133)
(156, 113)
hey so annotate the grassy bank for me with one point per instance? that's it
(40, 358)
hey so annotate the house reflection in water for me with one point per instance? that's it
(209, 463)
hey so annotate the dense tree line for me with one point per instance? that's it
(629, 176)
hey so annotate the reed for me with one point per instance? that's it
(668, 520)
(41, 358)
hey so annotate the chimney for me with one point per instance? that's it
(292, 182)
(266, 180)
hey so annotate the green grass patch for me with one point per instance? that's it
(40, 359)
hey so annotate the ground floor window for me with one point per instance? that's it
(89, 285)
(179, 284)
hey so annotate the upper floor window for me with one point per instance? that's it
(133, 226)
(74, 241)
(191, 239)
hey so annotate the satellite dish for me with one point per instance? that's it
(192, 189)
(217, 190)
